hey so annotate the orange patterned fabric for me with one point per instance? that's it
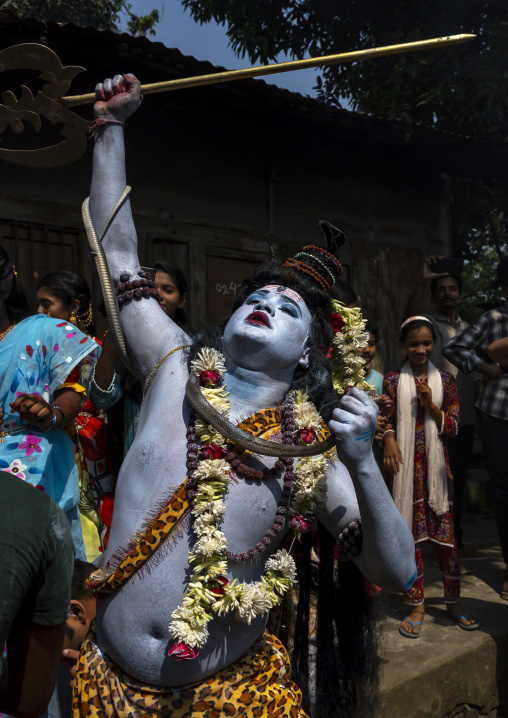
(258, 685)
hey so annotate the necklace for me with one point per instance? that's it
(210, 465)
(249, 473)
(6, 331)
(347, 367)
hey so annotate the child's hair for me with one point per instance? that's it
(82, 572)
(416, 323)
(372, 329)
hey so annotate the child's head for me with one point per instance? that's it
(82, 605)
(369, 352)
(417, 339)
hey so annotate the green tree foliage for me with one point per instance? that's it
(461, 89)
(102, 14)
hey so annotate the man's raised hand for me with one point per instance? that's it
(427, 273)
(118, 98)
(354, 425)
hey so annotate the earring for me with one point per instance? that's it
(86, 317)
(73, 317)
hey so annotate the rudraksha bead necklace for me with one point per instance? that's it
(287, 430)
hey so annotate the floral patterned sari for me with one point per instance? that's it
(35, 358)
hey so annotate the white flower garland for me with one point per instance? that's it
(208, 591)
(347, 365)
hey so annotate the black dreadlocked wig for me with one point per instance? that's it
(10, 286)
(346, 678)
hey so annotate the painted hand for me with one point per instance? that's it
(118, 98)
(354, 426)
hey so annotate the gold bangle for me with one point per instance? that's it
(154, 372)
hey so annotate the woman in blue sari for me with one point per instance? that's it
(36, 356)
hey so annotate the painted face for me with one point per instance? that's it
(369, 352)
(269, 331)
(418, 345)
(446, 294)
(171, 297)
(48, 304)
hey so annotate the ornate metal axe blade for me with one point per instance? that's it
(51, 102)
(15, 112)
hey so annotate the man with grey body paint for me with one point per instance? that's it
(260, 364)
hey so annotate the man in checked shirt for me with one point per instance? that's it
(468, 351)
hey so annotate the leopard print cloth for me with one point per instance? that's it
(258, 685)
(141, 547)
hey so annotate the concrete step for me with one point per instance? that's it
(449, 672)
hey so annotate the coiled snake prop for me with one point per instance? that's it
(200, 405)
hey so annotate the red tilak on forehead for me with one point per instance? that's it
(279, 289)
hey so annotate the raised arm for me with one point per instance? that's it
(150, 334)
(356, 487)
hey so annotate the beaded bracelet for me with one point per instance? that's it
(350, 541)
(127, 290)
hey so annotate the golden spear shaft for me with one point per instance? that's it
(216, 77)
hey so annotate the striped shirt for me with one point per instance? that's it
(469, 350)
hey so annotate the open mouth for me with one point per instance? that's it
(259, 318)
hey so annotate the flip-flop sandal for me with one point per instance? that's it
(407, 634)
(456, 618)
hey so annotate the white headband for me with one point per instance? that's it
(414, 319)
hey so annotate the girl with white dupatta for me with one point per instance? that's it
(425, 410)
